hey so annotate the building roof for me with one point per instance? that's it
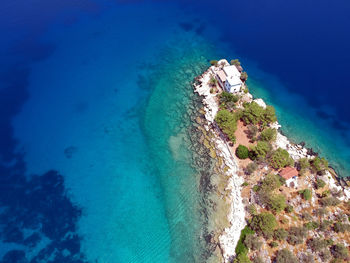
(221, 75)
(288, 172)
(233, 76)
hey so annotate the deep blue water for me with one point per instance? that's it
(92, 167)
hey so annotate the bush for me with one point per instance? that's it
(339, 251)
(303, 165)
(260, 150)
(306, 194)
(280, 234)
(325, 255)
(273, 244)
(258, 259)
(253, 113)
(235, 62)
(325, 193)
(329, 201)
(212, 81)
(285, 256)
(242, 258)
(311, 225)
(306, 216)
(319, 165)
(280, 158)
(320, 183)
(242, 152)
(277, 203)
(263, 223)
(227, 122)
(296, 235)
(214, 63)
(252, 242)
(271, 182)
(268, 135)
(226, 97)
(341, 228)
(306, 258)
(320, 212)
(317, 244)
(324, 225)
(244, 76)
(251, 168)
(241, 248)
(289, 209)
(252, 209)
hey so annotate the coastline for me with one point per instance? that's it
(228, 239)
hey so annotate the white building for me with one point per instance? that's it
(230, 79)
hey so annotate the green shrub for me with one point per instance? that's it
(285, 256)
(339, 251)
(241, 248)
(306, 194)
(280, 158)
(253, 113)
(303, 165)
(264, 223)
(324, 225)
(325, 193)
(289, 209)
(226, 97)
(277, 203)
(341, 228)
(320, 183)
(242, 152)
(242, 258)
(244, 76)
(317, 244)
(227, 122)
(260, 150)
(319, 165)
(256, 188)
(252, 209)
(311, 225)
(329, 201)
(271, 182)
(280, 234)
(214, 62)
(325, 255)
(252, 242)
(273, 244)
(235, 62)
(296, 235)
(268, 134)
(251, 168)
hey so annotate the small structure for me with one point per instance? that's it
(290, 174)
(229, 79)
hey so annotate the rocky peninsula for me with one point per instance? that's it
(284, 203)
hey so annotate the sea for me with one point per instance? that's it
(99, 155)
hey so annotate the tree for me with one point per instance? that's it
(268, 135)
(235, 62)
(280, 234)
(242, 258)
(260, 150)
(270, 182)
(320, 183)
(251, 168)
(303, 165)
(285, 256)
(269, 115)
(242, 152)
(227, 122)
(252, 242)
(280, 158)
(212, 81)
(252, 113)
(252, 131)
(214, 62)
(226, 97)
(339, 251)
(319, 165)
(277, 203)
(244, 76)
(264, 223)
(306, 194)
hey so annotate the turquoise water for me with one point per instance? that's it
(115, 124)
(100, 159)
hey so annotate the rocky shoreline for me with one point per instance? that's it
(229, 237)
